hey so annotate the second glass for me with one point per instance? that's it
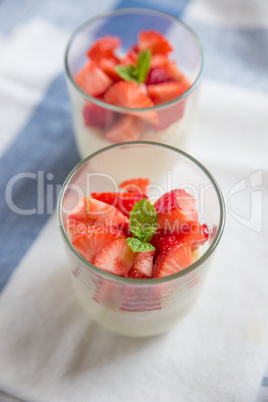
(174, 118)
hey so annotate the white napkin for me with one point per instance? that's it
(50, 350)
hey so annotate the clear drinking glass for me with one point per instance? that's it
(150, 306)
(175, 118)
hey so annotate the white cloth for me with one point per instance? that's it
(50, 349)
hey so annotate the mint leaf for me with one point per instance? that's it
(125, 73)
(143, 220)
(136, 73)
(137, 245)
(143, 65)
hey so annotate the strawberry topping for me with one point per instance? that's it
(116, 257)
(153, 41)
(92, 80)
(131, 95)
(89, 243)
(103, 47)
(96, 116)
(138, 185)
(173, 261)
(175, 209)
(127, 128)
(123, 201)
(157, 75)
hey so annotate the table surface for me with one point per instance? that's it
(49, 349)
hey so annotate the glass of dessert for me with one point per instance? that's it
(133, 75)
(140, 222)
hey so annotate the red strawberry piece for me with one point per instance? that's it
(90, 243)
(174, 209)
(154, 41)
(130, 58)
(100, 211)
(144, 263)
(116, 258)
(197, 235)
(120, 219)
(103, 47)
(127, 128)
(136, 274)
(138, 185)
(157, 75)
(165, 92)
(169, 115)
(167, 242)
(177, 259)
(108, 67)
(124, 227)
(76, 228)
(96, 116)
(159, 60)
(176, 75)
(194, 234)
(79, 213)
(123, 201)
(92, 80)
(131, 95)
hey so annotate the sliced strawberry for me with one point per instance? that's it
(96, 116)
(136, 274)
(90, 243)
(165, 92)
(169, 115)
(103, 47)
(124, 227)
(153, 41)
(157, 75)
(131, 95)
(108, 67)
(92, 80)
(127, 128)
(123, 201)
(144, 263)
(159, 60)
(174, 73)
(76, 228)
(193, 234)
(130, 58)
(166, 242)
(100, 211)
(120, 219)
(116, 258)
(196, 236)
(174, 209)
(177, 259)
(138, 185)
(79, 213)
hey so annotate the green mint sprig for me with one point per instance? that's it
(143, 225)
(136, 73)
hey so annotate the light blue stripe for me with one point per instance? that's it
(236, 56)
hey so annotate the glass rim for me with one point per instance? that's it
(150, 281)
(123, 11)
